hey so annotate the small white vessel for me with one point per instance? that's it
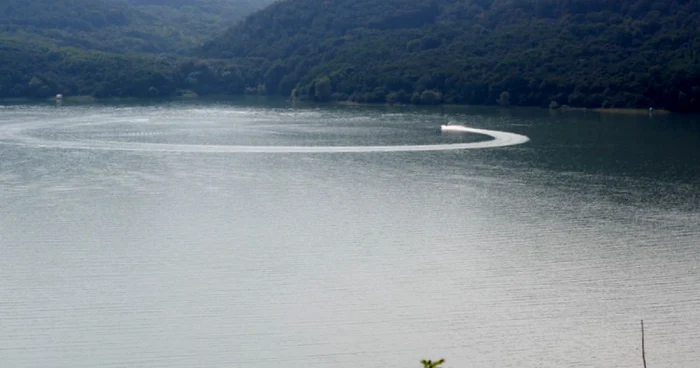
(453, 128)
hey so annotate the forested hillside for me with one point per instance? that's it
(39, 71)
(122, 26)
(199, 20)
(582, 53)
(32, 70)
(587, 53)
(117, 48)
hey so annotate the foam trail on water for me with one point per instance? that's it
(15, 135)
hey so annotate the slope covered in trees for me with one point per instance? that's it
(133, 26)
(116, 48)
(198, 20)
(33, 70)
(586, 53)
(39, 71)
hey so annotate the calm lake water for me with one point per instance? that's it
(202, 234)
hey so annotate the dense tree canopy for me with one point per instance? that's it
(150, 26)
(36, 70)
(117, 48)
(588, 53)
(197, 20)
(584, 53)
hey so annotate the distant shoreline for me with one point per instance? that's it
(617, 110)
(91, 99)
(607, 110)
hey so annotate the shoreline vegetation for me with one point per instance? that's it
(189, 95)
(607, 56)
(608, 110)
(547, 53)
(621, 111)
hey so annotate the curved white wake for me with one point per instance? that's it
(16, 135)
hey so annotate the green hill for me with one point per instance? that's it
(40, 71)
(585, 53)
(582, 53)
(116, 48)
(198, 20)
(121, 26)
(33, 70)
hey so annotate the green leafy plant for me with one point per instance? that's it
(432, 364)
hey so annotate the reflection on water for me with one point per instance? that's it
(544, 254)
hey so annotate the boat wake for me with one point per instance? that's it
(19, 134)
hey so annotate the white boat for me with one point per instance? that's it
(453, 128)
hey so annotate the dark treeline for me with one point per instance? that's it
(586, 53)
(583, 53)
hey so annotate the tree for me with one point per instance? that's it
(504, 99)
(323, 89)
(274, 76)
(153, 91)
(430, 97)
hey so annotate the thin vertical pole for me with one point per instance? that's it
(644, 358)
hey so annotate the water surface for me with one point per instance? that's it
(115, 251)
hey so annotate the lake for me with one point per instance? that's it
(261, 233)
